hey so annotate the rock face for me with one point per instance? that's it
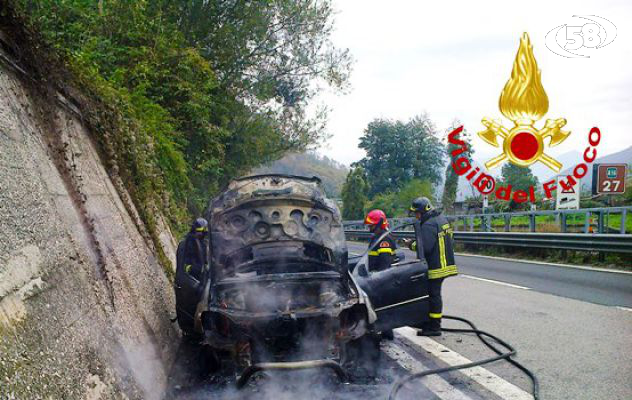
(84, 302)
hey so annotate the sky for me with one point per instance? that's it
(452, 59)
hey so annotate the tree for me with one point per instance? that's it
(354, 195)
(520, 178)
(331, 173)
(451, 178)
(396, 204)
(193, 93)
(273, 54)
(398, 152)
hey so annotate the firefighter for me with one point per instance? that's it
(381, 256)
(192, 254)
(438, 250)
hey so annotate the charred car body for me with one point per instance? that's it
(280, 289)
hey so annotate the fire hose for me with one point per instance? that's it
(481, 335)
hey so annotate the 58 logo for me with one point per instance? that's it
(565, 40)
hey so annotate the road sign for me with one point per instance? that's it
(567, 197)
(609, 178)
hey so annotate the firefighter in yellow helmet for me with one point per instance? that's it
(437, 249)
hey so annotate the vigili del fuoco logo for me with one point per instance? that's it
(524, 102)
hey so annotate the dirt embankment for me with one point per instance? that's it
(84, 302)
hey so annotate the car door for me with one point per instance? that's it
(398, 295)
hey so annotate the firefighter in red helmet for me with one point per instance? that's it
(381, 255)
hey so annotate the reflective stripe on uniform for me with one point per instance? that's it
(444, 262)
(442, 272)
(373, 253)
(386, 250)
(435, 315)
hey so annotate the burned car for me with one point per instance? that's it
(280, 290)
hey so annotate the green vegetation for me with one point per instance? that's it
(520, 178)
(404, 160)
(182, 96)
(354, 197)
(451, 178)
(329, 171)
(549, 223)
(398, 152)
(396, 204)
(621, 262)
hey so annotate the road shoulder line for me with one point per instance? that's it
(435, 383)
(614, 271)
(511, 285)
(480, 375)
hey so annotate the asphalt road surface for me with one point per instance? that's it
(572, 327)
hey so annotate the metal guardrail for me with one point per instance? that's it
(611, 243)
(600, 215)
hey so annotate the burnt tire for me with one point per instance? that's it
(185, 322)
(209, 361)
(362, 357)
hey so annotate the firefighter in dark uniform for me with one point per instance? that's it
(191, 254)
(438, 250)
(381, 255)
(191, 260)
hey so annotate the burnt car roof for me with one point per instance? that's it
(270, 186)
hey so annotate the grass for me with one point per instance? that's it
(621, 262)
(549, 223)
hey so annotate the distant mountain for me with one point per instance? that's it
(331, 172)
(567, 159)
(621, 157)
(570, 159)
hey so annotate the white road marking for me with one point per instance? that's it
(485, 378)
(546, 263)
(493, 281)
(435, 383)
(624, 308)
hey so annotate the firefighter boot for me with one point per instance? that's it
(431, 328)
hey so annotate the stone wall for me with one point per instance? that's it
(84, 303)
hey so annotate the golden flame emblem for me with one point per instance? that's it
(524, 101)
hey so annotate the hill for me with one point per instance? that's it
(623, 156)
(331, 172)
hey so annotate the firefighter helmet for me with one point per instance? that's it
(422, 205)
(199, 225)
(376, 217)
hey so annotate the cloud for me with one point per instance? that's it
(452, 59)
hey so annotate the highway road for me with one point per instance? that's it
(590, 285)
(573, 327)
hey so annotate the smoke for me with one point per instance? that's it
(146, 367)
(290, 385)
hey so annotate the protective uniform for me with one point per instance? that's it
(435, 234)
(382, 256)
(191, 255)
(191, 259)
